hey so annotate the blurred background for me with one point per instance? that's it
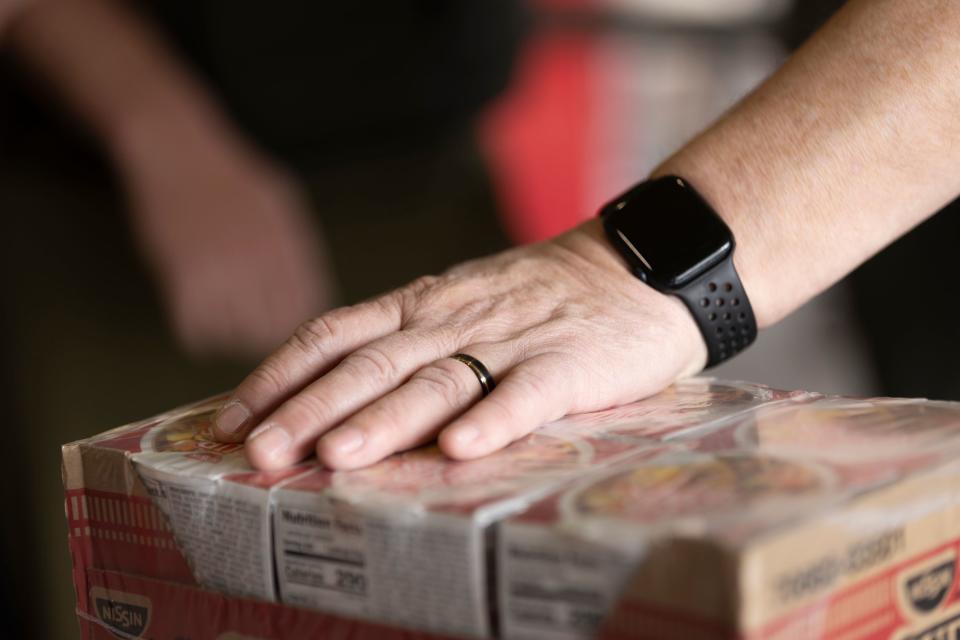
(182, 182)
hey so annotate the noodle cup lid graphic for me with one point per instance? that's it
(685, 405)
(184, 443)
(427, 477)
(852, 432)
(130, 437)
(694, 494)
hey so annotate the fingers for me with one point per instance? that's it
(415, 412)
(531, 395)
(289, 434)
(313, 349)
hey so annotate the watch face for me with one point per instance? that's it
(670, 234)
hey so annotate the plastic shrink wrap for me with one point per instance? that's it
(714, 509)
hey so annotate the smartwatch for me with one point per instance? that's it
(674, 241)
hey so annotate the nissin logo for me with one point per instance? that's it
(944, 630)
(925, 591)
(126, 614)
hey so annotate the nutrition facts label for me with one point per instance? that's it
(408, 572)
(322, 560)
(555, 588)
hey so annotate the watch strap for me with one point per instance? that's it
(721, 309)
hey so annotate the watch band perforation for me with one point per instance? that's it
(722, 311)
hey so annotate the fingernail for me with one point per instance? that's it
(231, 417)
(270, 439)
(345, 442)
(465, 435)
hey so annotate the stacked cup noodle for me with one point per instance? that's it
(803, 519)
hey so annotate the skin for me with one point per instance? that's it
(852, 143)
(375, 377)
(236, 254)
(7, 7)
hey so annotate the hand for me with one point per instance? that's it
(238, 258)
(562, 326)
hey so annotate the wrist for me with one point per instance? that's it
(737, 205)
(149, 131)
(682, 334)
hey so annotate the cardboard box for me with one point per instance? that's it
(827, 518)
(140, 561)
(406, 541)
(161, 517)
(716, 510)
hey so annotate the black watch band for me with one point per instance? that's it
(721, 309)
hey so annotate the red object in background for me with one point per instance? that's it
(537, 137)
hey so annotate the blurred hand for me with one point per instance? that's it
(562, 326)
(239, 261)
(9, 10)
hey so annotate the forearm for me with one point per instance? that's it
(853, 142)
(115, 73)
